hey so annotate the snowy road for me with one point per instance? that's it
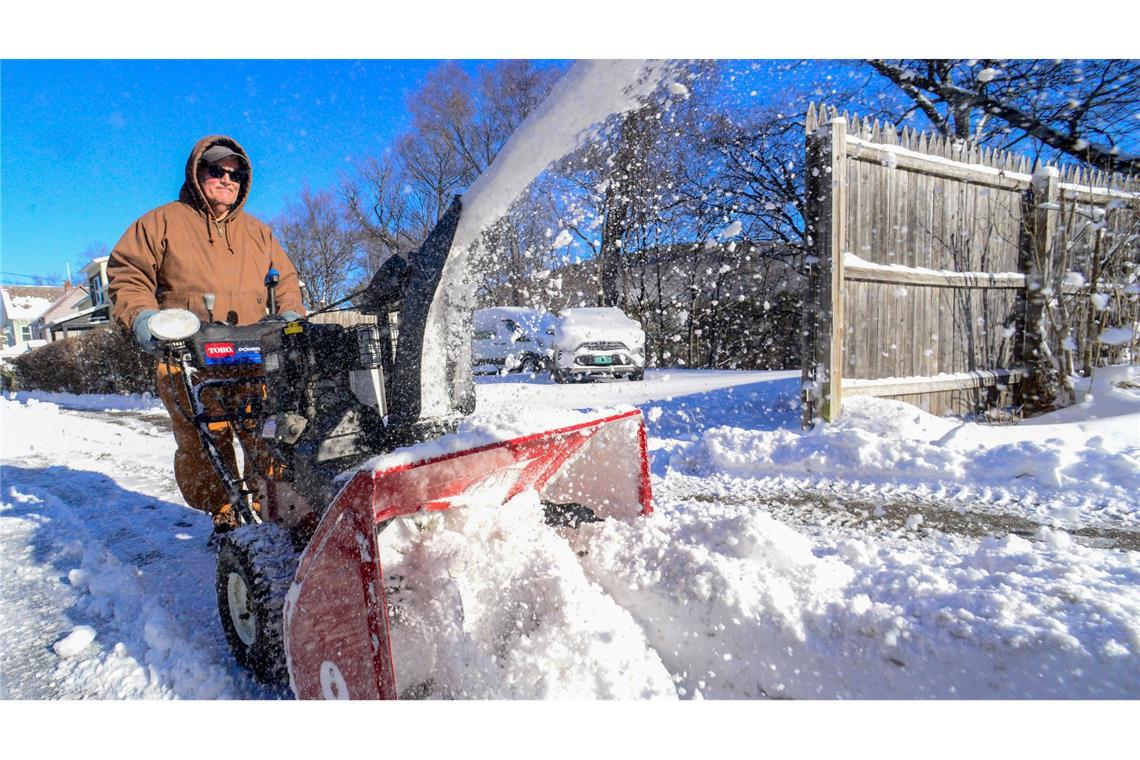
(889, 555)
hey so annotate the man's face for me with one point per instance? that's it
(221, 192)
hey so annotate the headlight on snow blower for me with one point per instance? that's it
(174, 324)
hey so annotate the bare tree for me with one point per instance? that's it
(672, 203)
(1082, 109)
(378, 209)
(759, 176)
(620, 191)
(519, 272)
(459, 124)
(319, 244)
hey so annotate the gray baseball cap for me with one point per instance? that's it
(218, 152)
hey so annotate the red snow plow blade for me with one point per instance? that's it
(336, 620)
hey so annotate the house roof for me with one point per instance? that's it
(26, 302)
(65, 306)
(93, 266)
(70, 317)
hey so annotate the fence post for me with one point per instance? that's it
(1042, 218)
(826, 184)
(810, 328)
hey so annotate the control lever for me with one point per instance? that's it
(208, 302)
(272, 277)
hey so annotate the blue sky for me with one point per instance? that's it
(88, 146)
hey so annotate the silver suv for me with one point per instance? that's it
(597, 342)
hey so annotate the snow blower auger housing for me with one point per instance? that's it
(353, 418)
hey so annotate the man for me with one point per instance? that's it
(171, 257)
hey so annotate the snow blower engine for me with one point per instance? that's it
(300, 587)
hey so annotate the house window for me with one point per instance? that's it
(25, 333)
(98, 294)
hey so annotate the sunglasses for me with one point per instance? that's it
(217, 172)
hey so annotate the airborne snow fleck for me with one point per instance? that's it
(731, 230)
(564, 239)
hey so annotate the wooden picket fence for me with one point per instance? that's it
(919, 251)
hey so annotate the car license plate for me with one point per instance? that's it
(603, 360)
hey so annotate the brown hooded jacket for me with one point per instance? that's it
(178, 252)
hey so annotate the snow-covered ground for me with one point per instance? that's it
(889, 555)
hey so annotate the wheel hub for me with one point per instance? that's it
(241, 615)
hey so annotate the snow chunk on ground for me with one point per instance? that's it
(75, 642)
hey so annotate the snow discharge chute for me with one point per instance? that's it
(571, 115)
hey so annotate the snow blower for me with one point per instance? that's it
(364, 431)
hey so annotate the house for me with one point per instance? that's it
(83, 308)
(20, 305)
(75, 299)
(96, 274)
(42, 314)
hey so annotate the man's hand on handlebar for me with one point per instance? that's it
(156, 331)
(141, 329)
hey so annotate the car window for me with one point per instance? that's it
(484, 334)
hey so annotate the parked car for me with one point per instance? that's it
(597, 342)
(509, 338)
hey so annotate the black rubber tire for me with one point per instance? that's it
(637, 375)
(256, 564)
(528, 365)
(557, 375)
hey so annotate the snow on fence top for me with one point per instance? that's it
(946, 150)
